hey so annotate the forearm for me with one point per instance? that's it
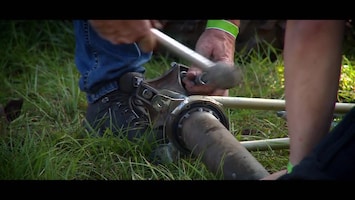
(312, 55)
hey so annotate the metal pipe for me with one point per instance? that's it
(220, 151)
(268, 104)
(182, 50)
(266, 144)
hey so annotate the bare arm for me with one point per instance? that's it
(312, 56)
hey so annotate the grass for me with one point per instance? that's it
(48, 142)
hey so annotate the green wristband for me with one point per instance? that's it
(289, 167)
(223, 25)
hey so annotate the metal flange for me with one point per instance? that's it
(191, 104)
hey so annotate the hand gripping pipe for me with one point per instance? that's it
(221, 74)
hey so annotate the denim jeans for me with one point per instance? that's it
(101, 63)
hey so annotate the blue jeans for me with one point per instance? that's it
(102, 63)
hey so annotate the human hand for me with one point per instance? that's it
(127, 31)
(195, 88)
(217, 46)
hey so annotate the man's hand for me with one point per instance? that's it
(127, 31)
(193, 88)
(217, 46)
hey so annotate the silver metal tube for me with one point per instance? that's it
(268, 104)
(266, 144)
(182, 50)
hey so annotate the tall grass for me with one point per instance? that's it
(48, 142)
